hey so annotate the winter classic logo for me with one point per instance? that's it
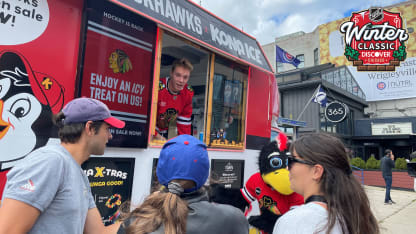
(375, 40)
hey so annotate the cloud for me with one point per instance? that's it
(268, 19)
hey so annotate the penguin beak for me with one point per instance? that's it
(4, 126)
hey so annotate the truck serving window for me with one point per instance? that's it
(187, 119)
(219, 88)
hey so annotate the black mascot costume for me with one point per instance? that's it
(270, 187)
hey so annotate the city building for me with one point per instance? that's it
(383, 115)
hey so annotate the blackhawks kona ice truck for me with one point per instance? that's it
(116, 51)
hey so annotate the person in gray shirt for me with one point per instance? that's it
(183, 206)
(47, 192)
(387, 164)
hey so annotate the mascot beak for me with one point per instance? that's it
(279, 180)
(4, 126)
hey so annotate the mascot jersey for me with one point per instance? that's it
(172, 107)
(257, 189)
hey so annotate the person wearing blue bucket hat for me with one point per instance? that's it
(183, 206)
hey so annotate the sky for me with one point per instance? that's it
(268, 19)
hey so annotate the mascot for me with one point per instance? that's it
(270, 187)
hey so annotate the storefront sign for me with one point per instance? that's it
(184, 16)
(336, 112)
(118, 68)
(229, 173)
(111, 182)
(391, 128)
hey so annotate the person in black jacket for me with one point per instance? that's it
(183, 206)
(387, 164)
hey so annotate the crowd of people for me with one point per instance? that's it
(317, 166)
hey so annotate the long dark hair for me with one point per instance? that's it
(347, 201)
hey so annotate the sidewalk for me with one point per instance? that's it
(396, 218)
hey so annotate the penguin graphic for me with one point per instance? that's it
(27, 101)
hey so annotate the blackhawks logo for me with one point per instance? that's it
(119, 62)
(375, 40)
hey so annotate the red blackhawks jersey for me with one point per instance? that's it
(171, 107)
(267, 197)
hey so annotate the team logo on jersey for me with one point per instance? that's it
(165, 118)
(161, 85)
(268, 203)
(375, 40)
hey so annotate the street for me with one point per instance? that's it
(395, 218)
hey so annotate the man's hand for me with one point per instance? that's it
(392, 156)
(159, 137)
(94, 224)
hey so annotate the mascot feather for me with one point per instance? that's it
(270, 187)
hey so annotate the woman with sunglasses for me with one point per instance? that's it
(335, 202)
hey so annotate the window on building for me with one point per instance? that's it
(316, 56)
(301, 58)
(279, 67)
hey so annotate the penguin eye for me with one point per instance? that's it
(276, 162)
(20, 108)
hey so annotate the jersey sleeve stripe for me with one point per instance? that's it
(247, 195)
(161, 131)
(183, 118)
(183, 123)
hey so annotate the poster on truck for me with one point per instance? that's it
(111, 182)
(117, 69)
(39, 46)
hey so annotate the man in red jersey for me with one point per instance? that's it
(175, 100)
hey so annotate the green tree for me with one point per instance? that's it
(401, 164)
(372, 163)
(358, 162)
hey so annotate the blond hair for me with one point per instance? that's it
(160, 208)
(183, 62)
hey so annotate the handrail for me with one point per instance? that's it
(360, 174)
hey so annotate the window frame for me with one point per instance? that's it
(208, 97)
(316, 56)
(301, 58)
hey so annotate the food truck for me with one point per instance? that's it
(116, 51)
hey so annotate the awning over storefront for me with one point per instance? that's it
(290, 122)
(384, 128)
(198, 24)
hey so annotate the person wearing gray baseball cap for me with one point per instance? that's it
(48, 192)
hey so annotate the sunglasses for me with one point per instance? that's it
(291, 160)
